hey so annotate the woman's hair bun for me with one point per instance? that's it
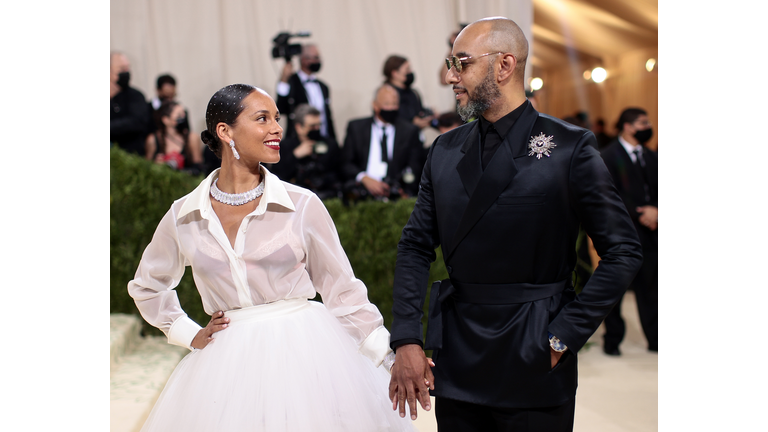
(206, 137)
(211, 141)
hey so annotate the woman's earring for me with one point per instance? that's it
(232, 144)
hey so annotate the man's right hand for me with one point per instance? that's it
(411, 379)
(649, 216)
(375, 187)
(287, 72)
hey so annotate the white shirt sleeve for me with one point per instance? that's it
(159, 272)
(360, 175)
(345, 296)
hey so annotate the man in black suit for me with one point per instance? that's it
(303, 87)
(383, 151)
(129, 119)
(504, 197)
(603, 139)
(307, 158)
(635, 172)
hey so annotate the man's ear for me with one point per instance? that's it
(508, 63)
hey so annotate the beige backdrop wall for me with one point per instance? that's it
(208, 44)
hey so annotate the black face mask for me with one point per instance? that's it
(122, 79)
(389, 116)
(314, 135)
(182, 126)
(314, 67)
(409, 79)
(643, 136)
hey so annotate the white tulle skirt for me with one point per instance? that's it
(285, 366)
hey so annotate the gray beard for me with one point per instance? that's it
(483, 97)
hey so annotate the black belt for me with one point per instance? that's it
(496, 294)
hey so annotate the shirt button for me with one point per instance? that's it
(449, 268)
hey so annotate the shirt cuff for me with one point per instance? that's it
(283, 88)
(360, 176)
(376, 346)
(182, 332)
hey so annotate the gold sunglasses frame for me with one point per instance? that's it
(454, 61)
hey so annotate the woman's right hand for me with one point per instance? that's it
(205, 335)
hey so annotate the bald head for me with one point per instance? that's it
(387, 95)
(499, 34)
(387, 99)
(118, 62)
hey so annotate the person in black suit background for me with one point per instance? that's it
(129, 120)
(603, 139)
(309, 159)
(635, 171)
(398, 74)
(504, 197)
(303, 87)
(364, 165)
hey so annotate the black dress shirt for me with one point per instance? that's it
(492, 134)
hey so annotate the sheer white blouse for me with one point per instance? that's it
(287, 248)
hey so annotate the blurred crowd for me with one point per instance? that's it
(380, 155)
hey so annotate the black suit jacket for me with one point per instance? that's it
(406, 151)
(629, 179)
(129, 120)
(512, 228)
(298, 95)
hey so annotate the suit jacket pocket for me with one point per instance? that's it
(512, 200)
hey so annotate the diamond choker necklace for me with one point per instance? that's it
(238, 198)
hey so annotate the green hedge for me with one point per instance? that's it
(141, 193)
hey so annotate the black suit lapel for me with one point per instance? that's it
(497, 175)
(469, 167)
(401, 150)
(300, 96)
(398, 147)
(365, 143)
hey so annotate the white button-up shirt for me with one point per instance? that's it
(287, 248)
(630, 149)
(376, 169)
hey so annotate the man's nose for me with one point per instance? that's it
(451, 76)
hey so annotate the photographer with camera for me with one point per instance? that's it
(398, 74)
(309, 159)
(303, 86)
(381, 153)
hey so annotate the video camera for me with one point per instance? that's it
(284, 49)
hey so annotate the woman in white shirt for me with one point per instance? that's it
(260, 248)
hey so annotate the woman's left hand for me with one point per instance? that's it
(205, 335)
